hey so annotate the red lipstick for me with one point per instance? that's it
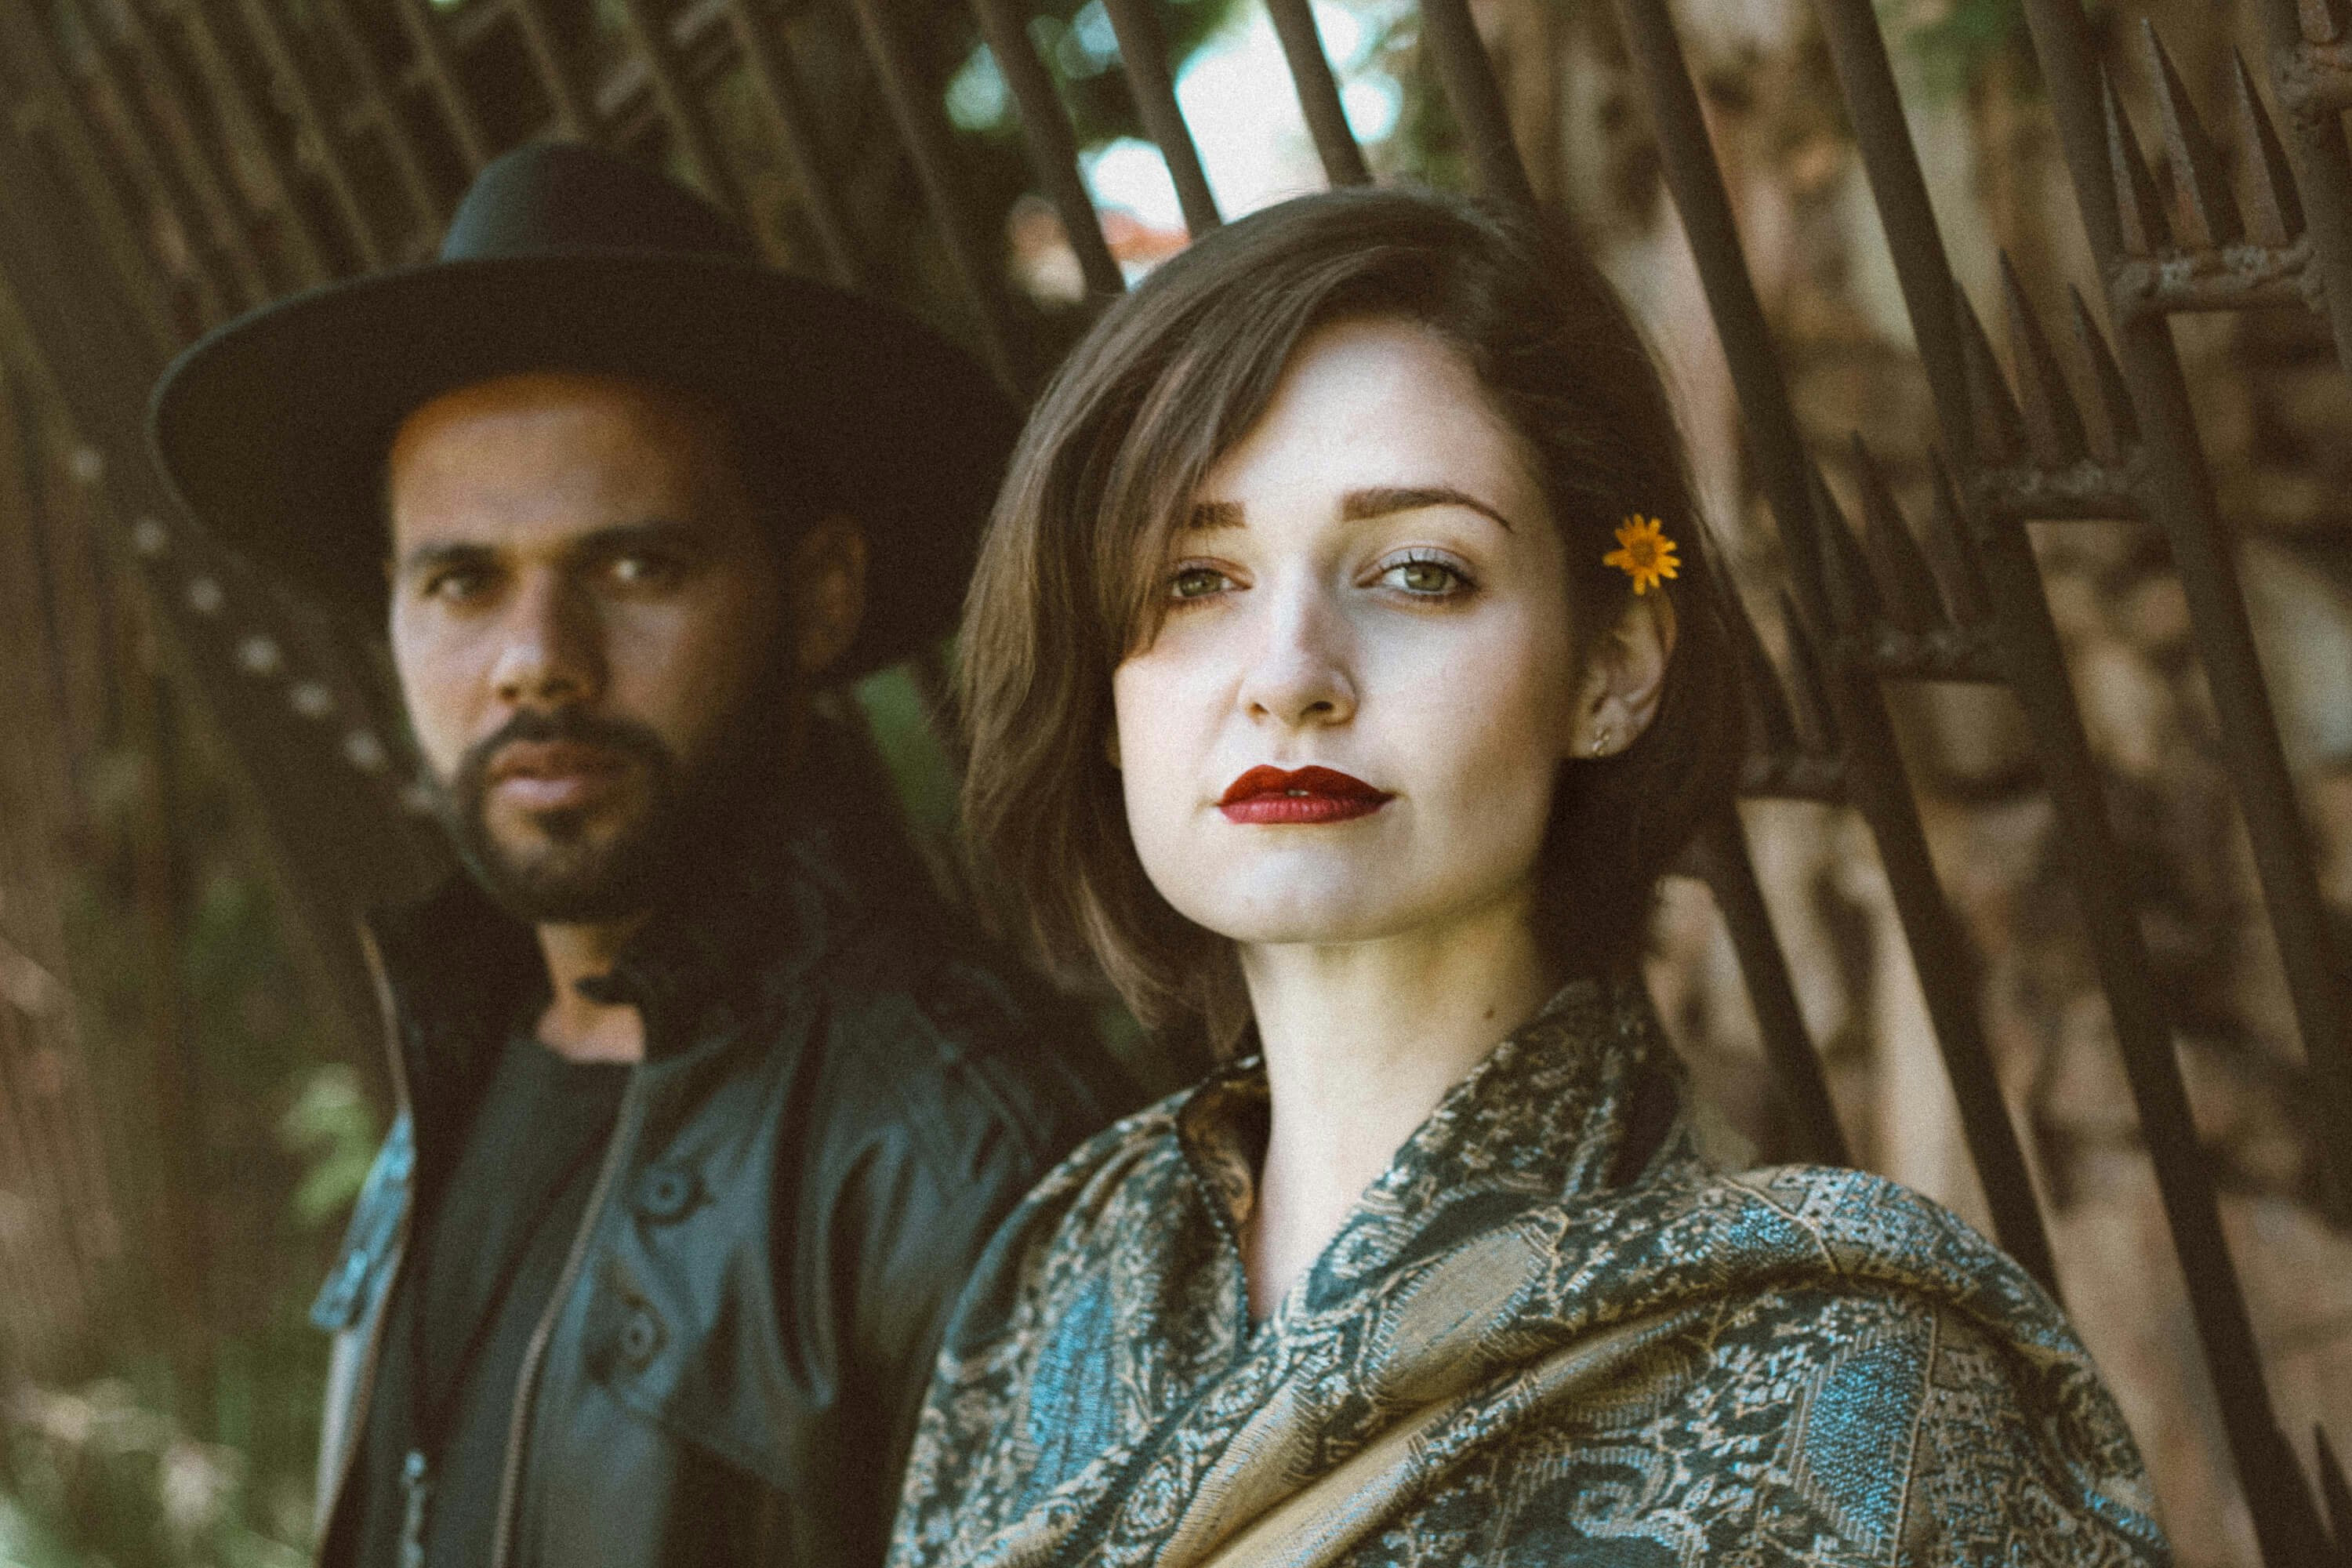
(1276, 795)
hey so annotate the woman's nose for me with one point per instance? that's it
(1298, 673)
(551, 653)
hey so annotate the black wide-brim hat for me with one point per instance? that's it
(274, 429)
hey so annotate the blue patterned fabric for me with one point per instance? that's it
(1543, 1336)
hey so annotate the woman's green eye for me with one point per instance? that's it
(1196, 582)
(1424, 577)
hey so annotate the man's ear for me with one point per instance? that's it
(1624, 678)
(825, 586)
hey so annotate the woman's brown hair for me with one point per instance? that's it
(1171, 378)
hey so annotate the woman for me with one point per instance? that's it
(1342, 671)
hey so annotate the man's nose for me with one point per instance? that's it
(1300, 672)
(551, 650)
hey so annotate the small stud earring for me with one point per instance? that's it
(1600, 742)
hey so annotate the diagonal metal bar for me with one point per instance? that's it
(246, 126)
(2037, 672)
(916, 109)
(574, 116)
(2322, 158)
(1730, 874)
(376, 95)
(796, 139)
(1053, 145)
(439, 68)
(688, 123)
(1143, 55)
(1875, 779)
(1467, 78)
(1319, 92)
(300, 96)
(2179, 492)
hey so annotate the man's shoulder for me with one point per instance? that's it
(925, 1024)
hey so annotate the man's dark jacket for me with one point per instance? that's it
(839, 1100)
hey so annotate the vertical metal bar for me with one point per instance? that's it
(281, 52)
(1797, 1078)
(2037, 672)
(796, 139)
(244, 124)
(686, 121)
(1875, 775)
(1468, 78)
(573, 116)
(2323, 163)
(384, 106)
(31, 45)
(1319, 92)
(193, 151)
(1053, 146)
(916, 109)
(2178, 490)
(441, 74)
(1143, 53)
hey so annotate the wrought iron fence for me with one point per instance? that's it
(175, 161)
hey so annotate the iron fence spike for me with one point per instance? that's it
(2275, 215)
(2053, 426)
(1774, 729)
(2198, 174)
(1913, 601)
(2000, 427)
(1809, 692)
(1319, 92)
(1954, 553)
(2338, 1493)
(1052, 143)
(2146, 230)
(2120, 425)
(1143, 56)
(1854, 597)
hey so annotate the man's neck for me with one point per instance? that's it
(574, 1026)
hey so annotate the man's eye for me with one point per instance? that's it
(1197, 583)
(1430, 579)
(454, 584)
(644, 570)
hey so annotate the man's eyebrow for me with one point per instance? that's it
(620, 537)
(435, 557)
(1357, 506)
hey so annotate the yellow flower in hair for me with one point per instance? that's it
(1644, 552)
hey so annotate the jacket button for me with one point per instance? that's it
(665, 1194)
(640, 1337)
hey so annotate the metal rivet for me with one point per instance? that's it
(259, 655)
(150, 537)
(365, 752)
(207, 596)
(89, 465)
(311, 700)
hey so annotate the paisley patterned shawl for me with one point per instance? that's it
(1546, 1334)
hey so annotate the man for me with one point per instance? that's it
(703, 1110)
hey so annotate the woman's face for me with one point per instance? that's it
(1348, 725)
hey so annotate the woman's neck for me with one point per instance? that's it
(1361, 1041)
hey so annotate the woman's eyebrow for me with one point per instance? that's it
(1215, 514)
(1356, 506)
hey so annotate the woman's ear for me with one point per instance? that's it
(825, 577)
(1624, 678)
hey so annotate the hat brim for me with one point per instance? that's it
(274, 429)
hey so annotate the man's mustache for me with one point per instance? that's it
(535, 725)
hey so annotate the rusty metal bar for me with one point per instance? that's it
(383, 108)
(1319, 92)
(1874, 776)
(439, 69)
(2179, 496)
(1053, 146)
(2323, 161)
(1730, 874)
(688, 121)
(573, 117)
(2037, 672)
(916, 109)
(1476, 99)
(796, 139)
(282, 55)
(1143, 53)
(31, 45)
(169, 96)
(245, 123)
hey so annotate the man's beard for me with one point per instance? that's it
(565, 875)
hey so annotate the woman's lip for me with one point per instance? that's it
(1308, 795)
